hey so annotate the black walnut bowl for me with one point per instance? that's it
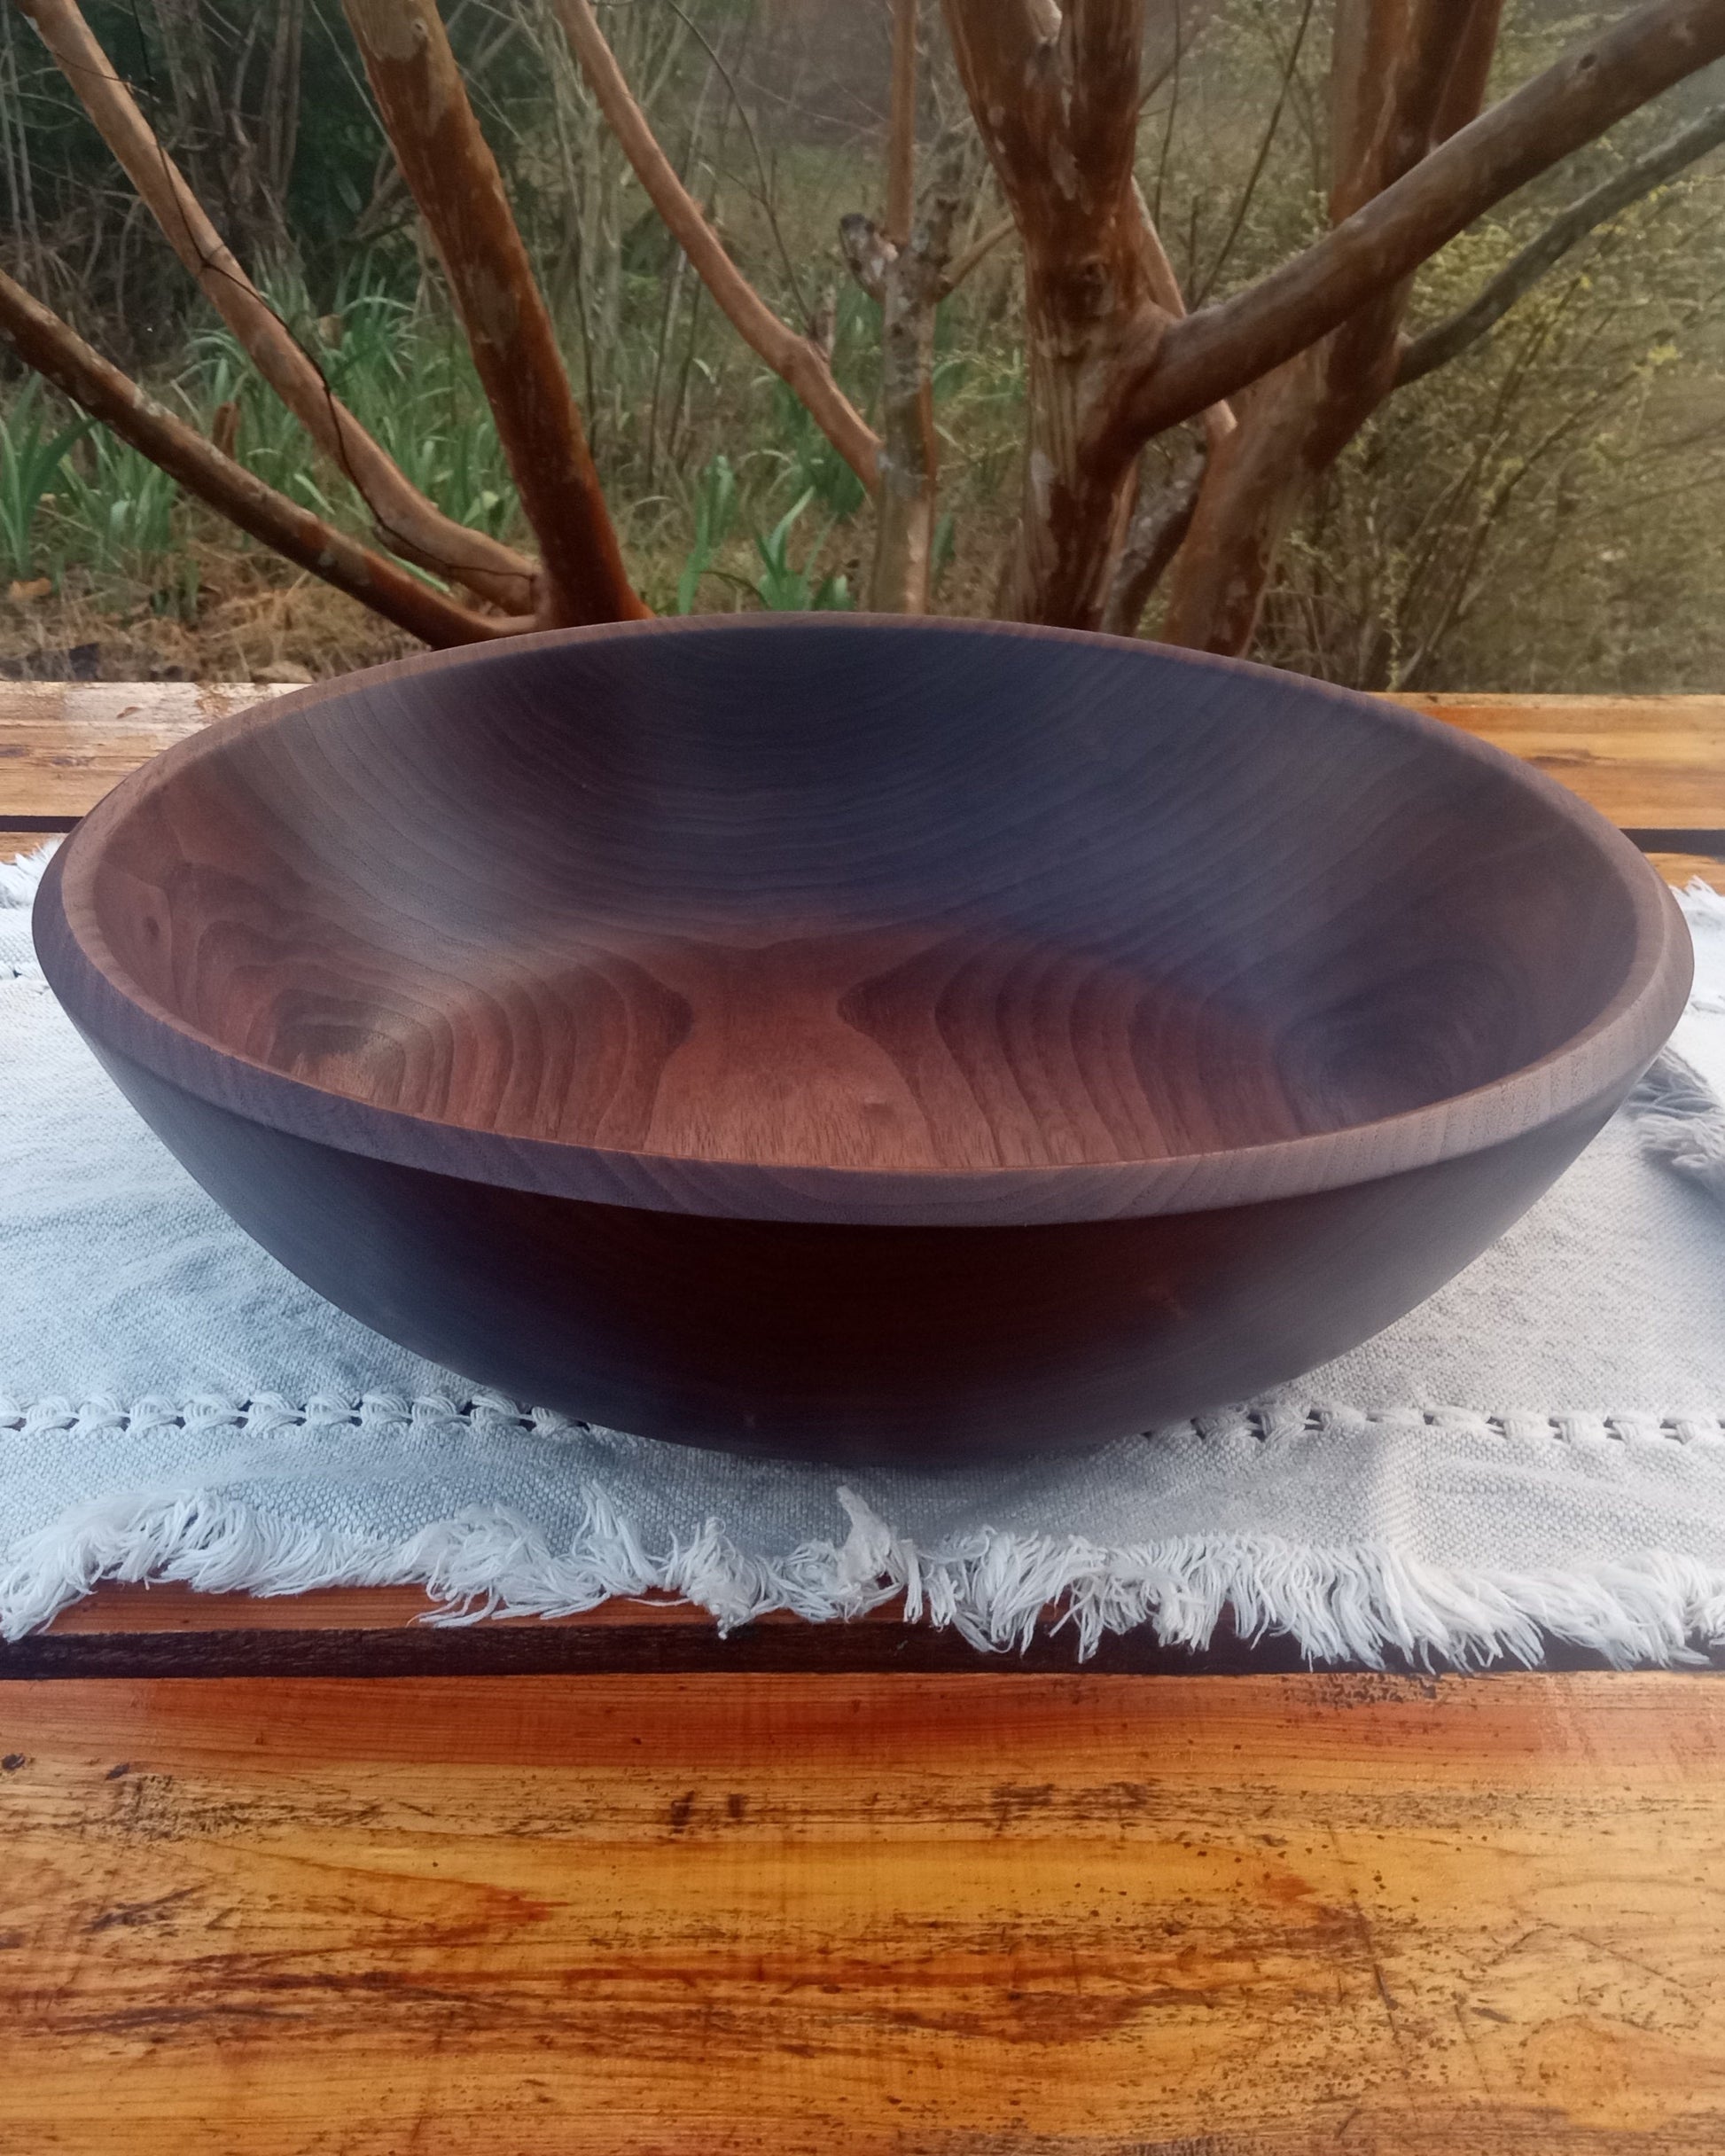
(862, 1039)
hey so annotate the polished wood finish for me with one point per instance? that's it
(904, 1039)
(782, 1916)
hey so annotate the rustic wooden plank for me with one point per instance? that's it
(64, 744)
(1681, 869)
(15, 841)
(698, 1918)
(1648, 763)
(132, 1631)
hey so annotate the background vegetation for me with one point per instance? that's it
(1544, 513)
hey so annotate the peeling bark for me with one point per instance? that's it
(1158, 524)
(1056, 98)
(454, 176)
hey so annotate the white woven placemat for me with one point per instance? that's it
(1540, 1445)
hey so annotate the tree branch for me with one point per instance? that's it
(1393, 94)
(406, 520)
(909, 281)
(1159, 523)
(449, 164)
(1219, 420)
(902, 135)
(1446, 340)
(1054, 96)
(796, 360)
(56, 350)
(1211, 276)
(1216, 352)
(977, 252)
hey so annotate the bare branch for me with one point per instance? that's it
(406, 520)
(56, 350)
(1059, 119)
(454, 176)
(797, 360)
(1289, 68)
(1219, 420)
(764, 189)
(909, 281)
(1394, 87)
(901, 140)
(978, 251)
(1446, 340)
(1159, 523)
(1218, 350)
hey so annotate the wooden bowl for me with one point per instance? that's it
(852, 1038)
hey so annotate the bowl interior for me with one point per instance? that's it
(844, 894)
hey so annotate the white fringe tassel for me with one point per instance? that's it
(18, 878)
(1355, 1602)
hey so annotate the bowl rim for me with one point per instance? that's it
(1585, 1076)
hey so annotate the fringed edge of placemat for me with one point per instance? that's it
(1348, 1602)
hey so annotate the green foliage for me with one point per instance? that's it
(122, 518)
(785, 588)
(405, 375)
(715, 511)
(31, 462)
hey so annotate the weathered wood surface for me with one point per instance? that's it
(1648, 763)
(64, 744)
(1055, 1917)
(131, 1631)
(1684, 868)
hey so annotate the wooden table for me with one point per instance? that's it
(611, 1885)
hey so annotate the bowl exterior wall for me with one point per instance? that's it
(909, 1345)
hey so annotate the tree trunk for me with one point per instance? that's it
(1056, 98)
(908, 282)
(1406, 75)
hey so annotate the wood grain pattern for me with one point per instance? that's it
(884, 1916)
(869, 1038)
(1647, 763)
(687, 1918)
(122, 1630)
(63, 745)
(1681, 870)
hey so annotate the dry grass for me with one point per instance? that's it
(256, 620)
